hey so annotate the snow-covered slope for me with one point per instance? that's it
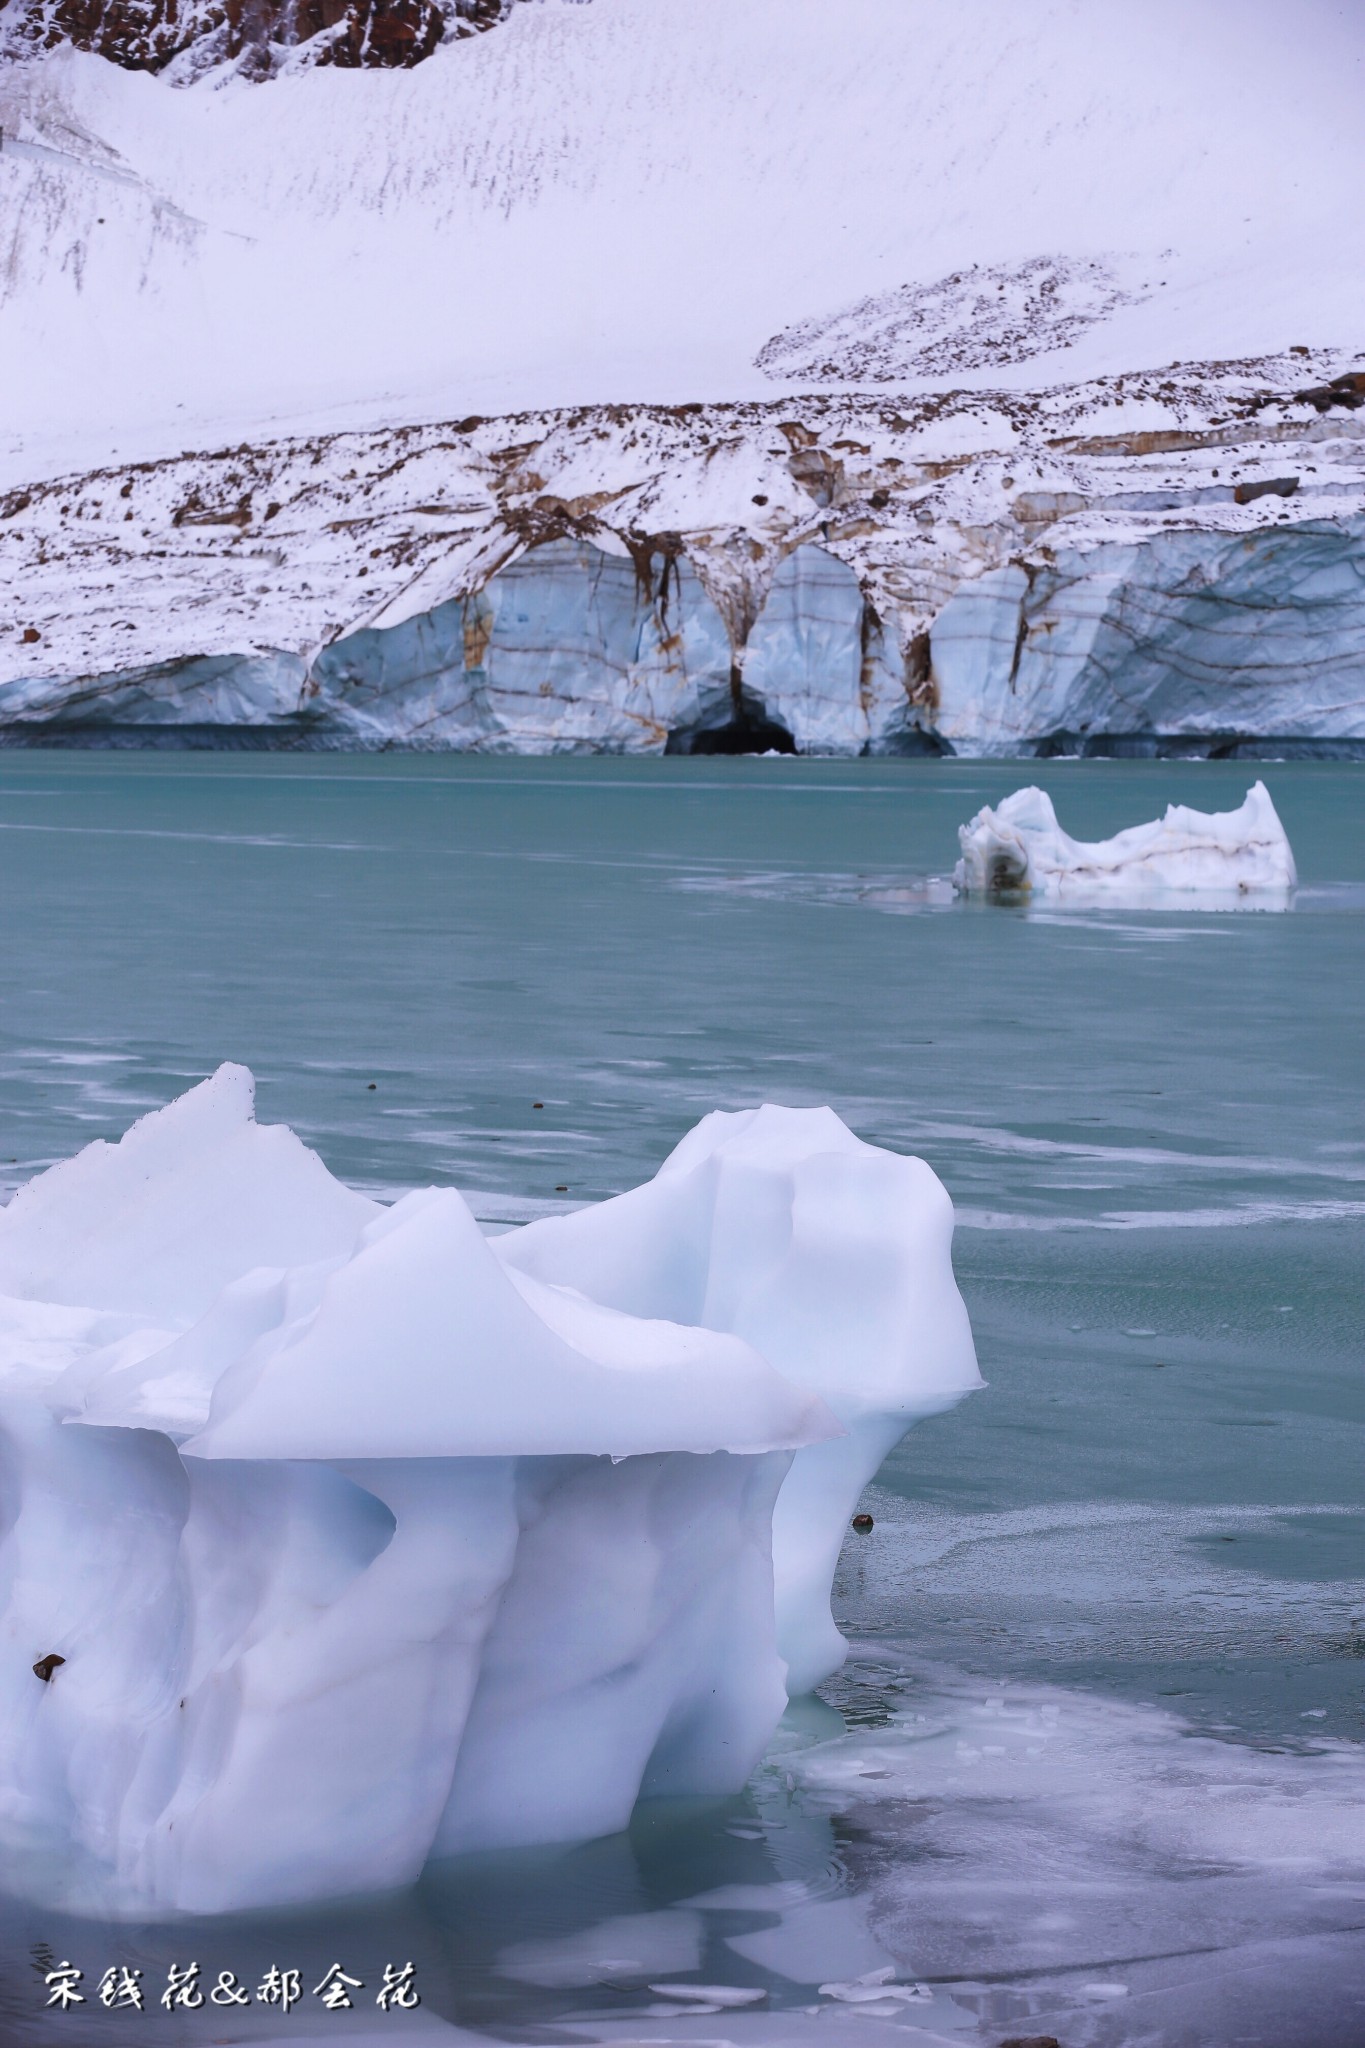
(989, 286)
(629, 199)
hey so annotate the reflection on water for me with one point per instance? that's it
(516, 1942)
(907, 895)
(951, 1856)
(1094, 1767)
(895, 895)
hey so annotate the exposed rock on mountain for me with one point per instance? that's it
(187, 38)
(976, 319)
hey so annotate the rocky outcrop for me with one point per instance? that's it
(981, 317)
(258, 37)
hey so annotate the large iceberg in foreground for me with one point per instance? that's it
(338, 1536)
(1019, 849)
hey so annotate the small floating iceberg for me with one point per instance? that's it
(337, 1537)
(1019, 849)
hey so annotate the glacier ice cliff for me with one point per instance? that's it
(1184, 637)
(569, 648)
(339, 1536)
(837, 584)
(1019, 849)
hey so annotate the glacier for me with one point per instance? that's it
(1017, 849)
(638, 430)
(1224, 643)
(569, 648)
(332, 1530)
(1187, 641)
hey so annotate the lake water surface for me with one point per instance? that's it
(1096, 1765)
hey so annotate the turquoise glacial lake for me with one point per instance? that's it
(1095, 1768)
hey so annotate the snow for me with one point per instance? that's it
(991, 315)
(1019, 849)
(350, 1524)
(628, 199)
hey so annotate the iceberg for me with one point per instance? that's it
(833, 1259)
(338, 1537)
(1019, 849)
